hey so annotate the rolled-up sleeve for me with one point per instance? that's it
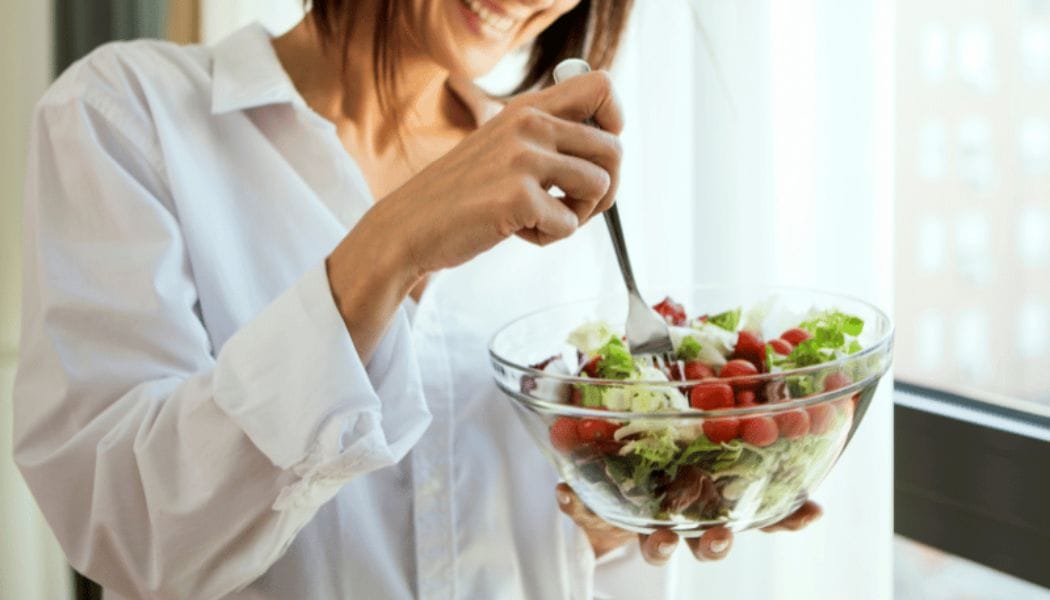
(339, 424)
(166, 469)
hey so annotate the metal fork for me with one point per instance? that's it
(647, 331)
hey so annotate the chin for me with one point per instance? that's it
(472, 63)
(474, 35)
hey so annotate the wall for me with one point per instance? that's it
(220, 17)
(31, 565)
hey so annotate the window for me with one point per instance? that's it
(973, 297)
(973, 212)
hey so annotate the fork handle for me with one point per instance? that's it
(612, 222)
(568, 69)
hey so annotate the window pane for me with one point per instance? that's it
(973, 198)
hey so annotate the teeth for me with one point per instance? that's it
(490, 18)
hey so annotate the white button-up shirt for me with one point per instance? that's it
(190, 411)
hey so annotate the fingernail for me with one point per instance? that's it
(665, 549)
(719, 546)
(563, 498)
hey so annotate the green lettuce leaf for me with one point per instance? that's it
(616, 361)
(801, 385)
(689, 348)
(590, 395)
(728, 320)
(834, 335)
(656, 447)
(749, 463)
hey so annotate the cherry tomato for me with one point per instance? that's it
(721, 431)
(671, 311)
(795, 336)
(792, 424)
(836, 380)
(780, 346)
(564, 436)
(695, 369)
(758, 431)
(739, 371)
(745, 398)
(595, 430)
(591, 366)
(820, 416)
(711, 396)
(751, 348)
(737, 367)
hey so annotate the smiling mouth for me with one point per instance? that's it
(490, 18)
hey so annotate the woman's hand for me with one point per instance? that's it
(494, 184)
(657, 548)
(489, 187)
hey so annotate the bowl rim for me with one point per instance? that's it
(571, 410)
(883, 344)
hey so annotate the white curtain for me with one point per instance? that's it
(758, 150)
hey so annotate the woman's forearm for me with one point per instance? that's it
(370, 273)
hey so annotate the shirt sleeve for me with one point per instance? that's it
(167, 470)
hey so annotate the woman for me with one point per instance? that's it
(242, 377)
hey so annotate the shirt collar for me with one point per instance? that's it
(246, 73)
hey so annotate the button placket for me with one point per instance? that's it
(432, 465)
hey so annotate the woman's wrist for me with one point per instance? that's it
(370, 273)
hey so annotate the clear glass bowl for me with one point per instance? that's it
(802, 422)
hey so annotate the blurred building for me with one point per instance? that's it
(973, 200)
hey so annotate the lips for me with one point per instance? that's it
(489, 17)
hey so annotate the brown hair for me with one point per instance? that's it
(592, 30)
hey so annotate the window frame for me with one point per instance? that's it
(972, 478)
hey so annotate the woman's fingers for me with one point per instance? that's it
(658, 546)
(714, 544)
(581, 159)
(589, 96)
(494, 183)
(806, 514)
(570, 504)
(598, 147)
(584, 183)
(603, 535)
(542, 218)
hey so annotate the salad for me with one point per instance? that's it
(716, 468)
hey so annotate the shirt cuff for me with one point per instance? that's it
(293, 382)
